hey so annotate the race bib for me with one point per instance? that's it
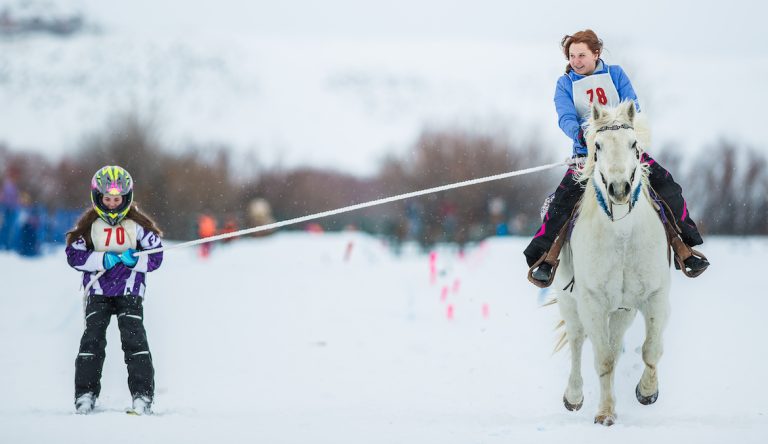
(119, 238)
(596, 88)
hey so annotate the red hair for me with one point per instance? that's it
(587, 36)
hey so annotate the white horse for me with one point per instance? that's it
(617, 257)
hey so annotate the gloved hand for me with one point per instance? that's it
(128, 258)
(110, 260)
(582, 140)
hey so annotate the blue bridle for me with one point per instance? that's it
(600, 198)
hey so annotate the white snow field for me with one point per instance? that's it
(282, 340)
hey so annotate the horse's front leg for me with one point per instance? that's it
(656, 313)
(595, 320)
(573, 398)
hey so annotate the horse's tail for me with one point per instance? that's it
(562, 340)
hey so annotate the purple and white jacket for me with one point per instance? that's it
(120, 280)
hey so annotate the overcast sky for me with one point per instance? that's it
(380, 78)
(703, 26)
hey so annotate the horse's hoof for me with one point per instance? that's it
(646, 400)
(606, 420)
(572, 407)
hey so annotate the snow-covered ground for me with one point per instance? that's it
(282, 340)
(342, 83)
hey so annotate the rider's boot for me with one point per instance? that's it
(543, 273)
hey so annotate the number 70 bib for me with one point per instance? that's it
(119, 238)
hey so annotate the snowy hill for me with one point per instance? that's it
(337, 86)
(282, 340)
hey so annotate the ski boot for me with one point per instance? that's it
(84, 403)
(142, 405)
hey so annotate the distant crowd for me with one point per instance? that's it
(25, 226)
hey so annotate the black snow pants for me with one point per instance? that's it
(569, 192)
(90, 359)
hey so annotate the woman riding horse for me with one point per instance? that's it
(588, 79)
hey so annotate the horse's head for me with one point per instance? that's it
(614, 160)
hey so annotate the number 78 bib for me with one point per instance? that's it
(596, 88)
(119, 238)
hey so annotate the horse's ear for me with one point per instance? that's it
(596, 112)
(631, 111)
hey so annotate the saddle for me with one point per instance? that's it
(675, 244)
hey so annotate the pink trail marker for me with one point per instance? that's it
(449, 312)
(433, 267)
(456, 285)
(348, 250)
(444, 293)
(486, 311)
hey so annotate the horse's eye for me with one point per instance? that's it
(597, 145)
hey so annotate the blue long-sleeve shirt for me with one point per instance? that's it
(570, 120)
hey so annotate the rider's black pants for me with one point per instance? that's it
(568, 193)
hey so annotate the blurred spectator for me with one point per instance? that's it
(230, 226)
(519, 224)
(413, 214)
(9, 211)
(260, 213)
(29, 244)
(497, 209)
(206, 227)
(450, 220)
(314, 227)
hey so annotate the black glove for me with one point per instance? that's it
(581, 138)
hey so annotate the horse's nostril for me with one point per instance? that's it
(626, 188)
(611, 190)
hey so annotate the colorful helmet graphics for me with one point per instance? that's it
(112, 180)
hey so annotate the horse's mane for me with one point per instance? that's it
(610, 116)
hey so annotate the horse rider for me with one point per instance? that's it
(589, 79)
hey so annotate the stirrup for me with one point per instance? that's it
(679, 262)
(538, 283)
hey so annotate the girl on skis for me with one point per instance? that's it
(588, 79)
(101, 245)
